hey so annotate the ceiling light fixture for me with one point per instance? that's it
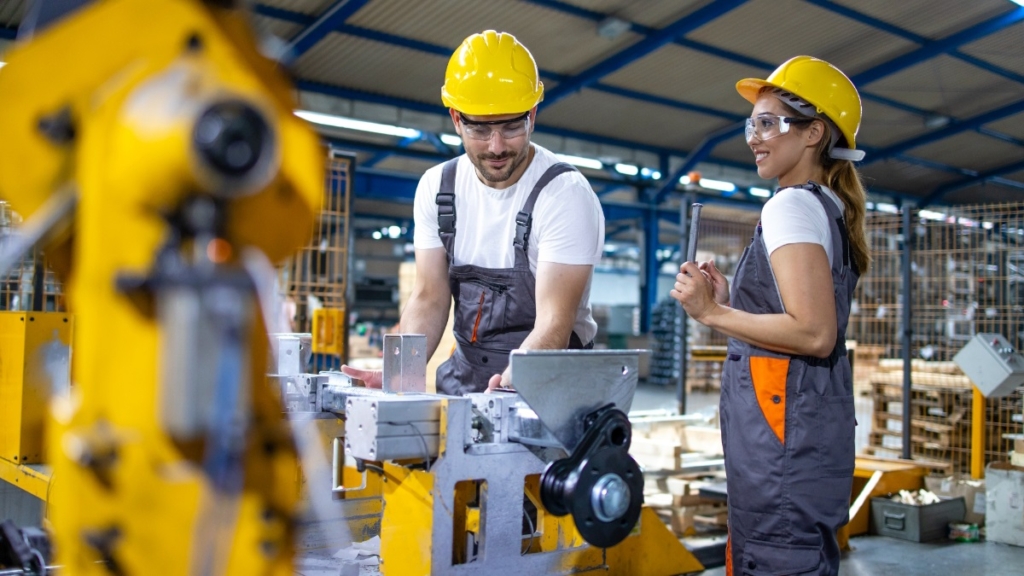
(720, 185)
(761, 192)
(451, 140)
(581, 161)
(359, 125)
(627, 169)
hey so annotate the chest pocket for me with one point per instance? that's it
(481, 309)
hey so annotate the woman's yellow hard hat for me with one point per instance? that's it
(820, 84)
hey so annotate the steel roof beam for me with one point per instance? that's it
(444, 51)
(937, 47)
(642, 48)
(332, 17)
(8, 33)
(992, 175)
(954, 128)
(916, 38)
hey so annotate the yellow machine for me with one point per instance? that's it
(533, 482)
(159, 150)
(155, 156)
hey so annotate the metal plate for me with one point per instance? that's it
(405, 363)
(563, 386)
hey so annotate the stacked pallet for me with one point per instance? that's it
(678, 456)
(940, 414)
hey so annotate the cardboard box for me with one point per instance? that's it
(972, 491)
(1004, 503)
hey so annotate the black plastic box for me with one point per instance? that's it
(915, 523)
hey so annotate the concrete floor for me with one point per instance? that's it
(883, 556)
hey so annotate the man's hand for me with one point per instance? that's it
(372, 378)
(502, 380)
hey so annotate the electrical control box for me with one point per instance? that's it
(992, 364)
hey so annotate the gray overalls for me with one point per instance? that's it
(495, 308)
(788, 429)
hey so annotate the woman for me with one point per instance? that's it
(787, 401)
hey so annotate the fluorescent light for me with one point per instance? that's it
(1018, 2)
(451, 139)
(656, 175)
(581, 161)
(627, 169)
(360, 125)
(887, 208)
(717, 185)
(684, 180)
(761, 192)
(931, 215)
(377, 235)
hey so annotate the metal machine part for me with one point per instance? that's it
(990, 361)
(388, 427)
(599, 483)
(24, 549)
(405, 363)
(599, 377)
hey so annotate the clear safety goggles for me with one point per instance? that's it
(768, 126)
(484, 130)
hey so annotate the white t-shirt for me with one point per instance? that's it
(568, 223)
(794, 216)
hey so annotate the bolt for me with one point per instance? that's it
(610, 498)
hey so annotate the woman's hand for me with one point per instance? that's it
(695, 291)
(718, 281)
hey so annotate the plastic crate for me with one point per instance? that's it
(915, 523)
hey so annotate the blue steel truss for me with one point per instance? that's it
(648, 215)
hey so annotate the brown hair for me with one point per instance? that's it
(843, 179)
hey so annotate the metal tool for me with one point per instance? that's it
(691, 248)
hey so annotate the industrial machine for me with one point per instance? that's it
(153, 152)
(536, 481)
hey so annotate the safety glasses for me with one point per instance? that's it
(484, 130)
(768, 126)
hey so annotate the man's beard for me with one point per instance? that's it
(514, 161)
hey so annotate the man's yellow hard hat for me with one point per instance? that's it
(491, 73)
(818, 83)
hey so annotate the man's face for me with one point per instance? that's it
(497, 145)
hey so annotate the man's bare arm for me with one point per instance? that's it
(559, 291)
(426, 312)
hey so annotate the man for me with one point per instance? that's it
(506, 229)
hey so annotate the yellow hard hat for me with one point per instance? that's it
(818, 83)
(491, 73)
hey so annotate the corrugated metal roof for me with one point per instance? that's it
(948, 86)
(1014, 126)
(904, 177)
(560, 42)
(883, 125)
(310, 7)
(776, 30)
(986, 193)
(618, 117)
(1003, 48)
(650, 13)
(374, 67)
(927, 17)
(273, 26)
(683, 74)
(12, 11)
(970, 150)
